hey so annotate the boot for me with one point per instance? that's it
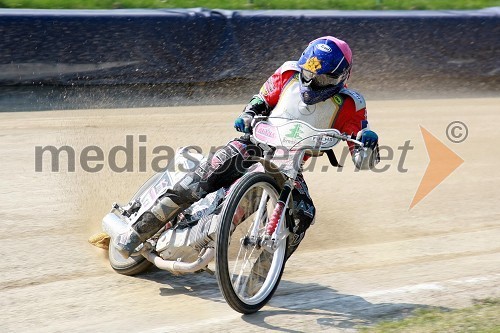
(127, 242)
(147, 225)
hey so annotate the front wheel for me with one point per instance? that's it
(248, 274)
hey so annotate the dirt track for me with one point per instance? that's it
(367, 258)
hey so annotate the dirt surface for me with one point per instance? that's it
(367, 258)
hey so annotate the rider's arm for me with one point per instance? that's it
(349, 121)
(265, 101)
(267, 98)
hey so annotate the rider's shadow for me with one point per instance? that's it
(327, 307)
(202, 285)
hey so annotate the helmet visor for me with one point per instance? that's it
(321, 80)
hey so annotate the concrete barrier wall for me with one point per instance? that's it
(67, 47)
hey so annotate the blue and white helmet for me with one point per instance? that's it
(325, 67)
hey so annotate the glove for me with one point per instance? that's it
(256, 106)
(368, 137)
(243, 123)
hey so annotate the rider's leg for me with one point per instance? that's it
(303, 214)
(224, 167)
(147, 225)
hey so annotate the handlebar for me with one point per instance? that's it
(345, 137)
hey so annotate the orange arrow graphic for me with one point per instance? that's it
(443, 161)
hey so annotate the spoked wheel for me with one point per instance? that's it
(248, 273)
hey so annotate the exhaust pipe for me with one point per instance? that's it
(181, 267)
(113, 225)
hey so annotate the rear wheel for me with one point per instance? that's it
(131, 266)
(136, 264)
(248, 274)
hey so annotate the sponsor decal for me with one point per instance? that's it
(162, 185)
(357, 96)
(267, 88)
(263, 91)
(216, 162)
(264, 131)
(155, 190)
(312, 65)
(202, 170)
(295, 132)
(270, 85)
(324, 48)
(305, 208)
(338, 100)
(240, 148)
(324, 140)
(297, 239)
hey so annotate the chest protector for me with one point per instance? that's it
(290, 106)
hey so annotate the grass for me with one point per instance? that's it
(252, 4)
(482, 317)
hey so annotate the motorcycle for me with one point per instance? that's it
(246, 228)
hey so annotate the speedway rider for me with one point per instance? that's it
(317, 83)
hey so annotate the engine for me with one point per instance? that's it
(194, 231)
(185, 244)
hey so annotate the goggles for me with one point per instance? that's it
(322, 80)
